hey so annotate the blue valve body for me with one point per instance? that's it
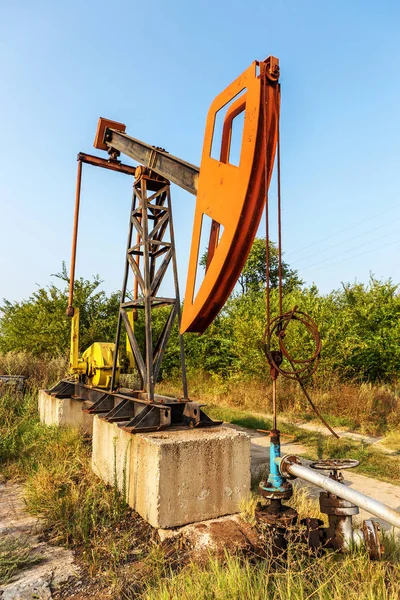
(275, 482)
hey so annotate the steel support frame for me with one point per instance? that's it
(151, 219)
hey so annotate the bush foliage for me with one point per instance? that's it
(359, 326)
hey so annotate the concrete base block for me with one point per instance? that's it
(64, 411)
(173, 478)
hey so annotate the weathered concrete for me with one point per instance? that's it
(177, 477)
(64, 411)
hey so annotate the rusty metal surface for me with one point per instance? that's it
(335, 464)
(192, 413)
(232, 196)
(371, 529)
(70, 308)
(102, 126)
(284, 493)
(111, 165)
(132, 410)
(171, 167)
(278, 521)
(278, 330)
(330, 504)
(283, 516)
(313, 532)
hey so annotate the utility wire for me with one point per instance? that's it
(348, 240)
(344, 230)
(328, 258)
(352, 257)
(275, 369)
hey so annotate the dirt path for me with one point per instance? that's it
(371, 440)
(56, 564)
(317, 427)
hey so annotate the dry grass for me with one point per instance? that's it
(41, 371)
(81, 511)
(392, 441)
(370, 409)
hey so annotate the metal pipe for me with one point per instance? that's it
(342, 491)
(70, 309)
(96, 161)
(274, 424)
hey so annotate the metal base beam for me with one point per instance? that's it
(132, 412)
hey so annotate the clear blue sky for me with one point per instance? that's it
(157, 66)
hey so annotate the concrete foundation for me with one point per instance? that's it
(64, 411)
(176, 477)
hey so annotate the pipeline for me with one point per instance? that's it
(289, 467)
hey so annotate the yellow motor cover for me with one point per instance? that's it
(99, 359)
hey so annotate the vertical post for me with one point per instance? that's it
(74, 350)
(133, 315)
(147, 291)
(70, 309)
(129, 353)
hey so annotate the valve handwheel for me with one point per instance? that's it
(335, 464)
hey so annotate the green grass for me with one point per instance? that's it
(77, 509)
(330, 577)
(238, 417)
(333, 420)
(15, 554)
(372, 462)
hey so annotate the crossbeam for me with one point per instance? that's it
(171, 167)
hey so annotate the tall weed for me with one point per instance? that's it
(40, 371)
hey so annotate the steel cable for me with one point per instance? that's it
(300, 368)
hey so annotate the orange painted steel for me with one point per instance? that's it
(232, 196)
(102, 125)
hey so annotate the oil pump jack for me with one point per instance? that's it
(233, 196)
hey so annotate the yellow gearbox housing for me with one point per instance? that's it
(95, 364)
(99, 361)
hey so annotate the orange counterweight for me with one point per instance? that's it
(232, 196)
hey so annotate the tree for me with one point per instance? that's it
(40, 325)
(253, 275)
